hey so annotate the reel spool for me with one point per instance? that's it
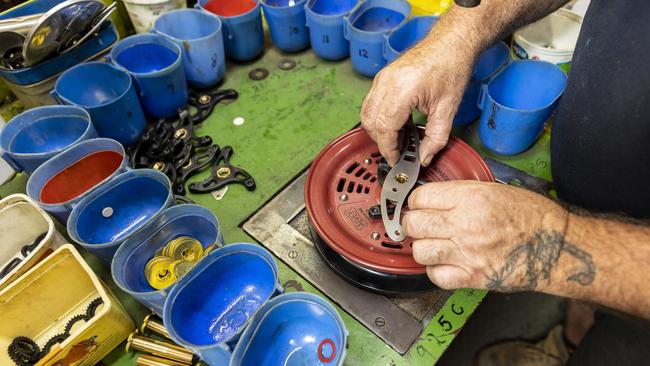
(342, 188)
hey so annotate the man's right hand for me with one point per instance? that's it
(430, 77)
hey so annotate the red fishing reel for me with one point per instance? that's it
(342, 196)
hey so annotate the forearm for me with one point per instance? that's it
(474, 29)
(604, 261)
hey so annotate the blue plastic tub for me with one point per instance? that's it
(488, 64)
(132, 256)
(199, 35)
(156, 63)
(34, 136)
(286, 20)
(243, 34)
(109, 96)
(517, 102)
(216, 300)
(110, 214)
(325, 22)
(293, 329)
(365, 29)
(407, 35)
(61, 182)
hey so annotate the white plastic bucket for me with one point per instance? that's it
(143, 13)
(551, 39)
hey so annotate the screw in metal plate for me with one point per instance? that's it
(343, 197)
(204, 99)
(375, 236)
(293, 254)
(401, 178)
(380, 321)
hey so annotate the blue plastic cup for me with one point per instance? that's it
(215, 301)
(61, 182)
(517, 102)
(130, 259)
(110, 214)
(36, 135)
(108, 94)
(365, 28)
(293, 329)
(488, 64)
(156, 64)
(325, 22)
(199, 35)
(286, 20)
(243, 34)
(407, 35)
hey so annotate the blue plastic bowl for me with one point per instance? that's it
(293, 329)
(407, 35)
(215, 301)
(130, 259)
(34, 136)
(106, 217)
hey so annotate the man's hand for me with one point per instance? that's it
(486, 235)
(429, 77)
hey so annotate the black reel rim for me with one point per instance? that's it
(368, 279)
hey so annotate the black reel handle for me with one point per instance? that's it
(223, 173)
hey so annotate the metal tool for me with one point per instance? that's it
(161, 349)
(148, 360)
(63, 28)
(155, 325)
(399, 182)
(508, 175)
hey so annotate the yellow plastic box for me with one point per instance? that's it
(41, 302)
(430, 7)
(21, 222)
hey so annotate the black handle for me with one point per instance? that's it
(468, 3)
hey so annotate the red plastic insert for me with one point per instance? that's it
(229, 8)
(80, 177)
(342, 186)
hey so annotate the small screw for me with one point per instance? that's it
(181, 133)
(159, 165)
(293, 254)
(204, 99)
(380, 321)
(343, 197)
(401, 178)
(375, 236)
(367, 161)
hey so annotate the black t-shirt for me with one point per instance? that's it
(600, 141)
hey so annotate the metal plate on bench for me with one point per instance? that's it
(281, 226)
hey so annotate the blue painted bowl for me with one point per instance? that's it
(214, 302)
(293, 329)
(106, 217)
(130, 259)
(34, 136)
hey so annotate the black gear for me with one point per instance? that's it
(92, 308)
(24, 351)
(74, 320)
(59, 338)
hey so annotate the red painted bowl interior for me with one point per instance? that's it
(80, 177)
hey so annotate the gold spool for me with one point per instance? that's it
(149, 360)
(161, 349)
(159, 273)
(184, 248)
(155, 325)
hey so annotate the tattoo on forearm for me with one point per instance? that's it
(536, 258)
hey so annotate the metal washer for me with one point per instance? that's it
(258, 74)
(286, 64)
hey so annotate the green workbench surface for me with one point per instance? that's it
(289, 118)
